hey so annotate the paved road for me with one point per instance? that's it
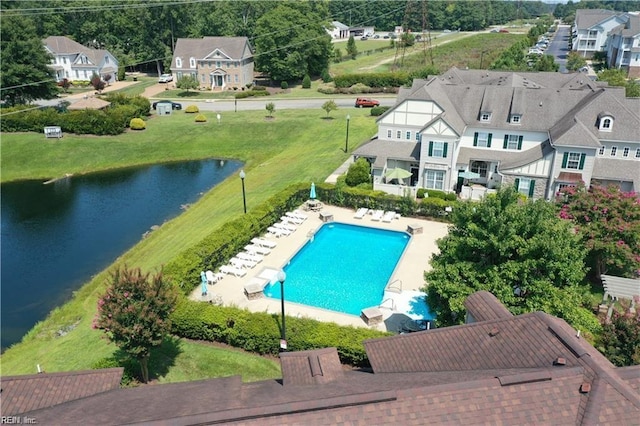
(248, 105)
(559, 47)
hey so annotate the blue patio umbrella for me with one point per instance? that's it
(312, 194)
(203, 279)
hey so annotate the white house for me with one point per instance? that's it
(338, 30)
(623, 47)
(591, 29)
(218, 63)
(537, 131)
(73, 61)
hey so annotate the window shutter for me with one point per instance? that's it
(489, 140)
(430, 148)
(517, 184)
(531, 185)
(520, 142)
(444, 150)
(506, 142)
(582, 158)
(475, 139)
(565, 157)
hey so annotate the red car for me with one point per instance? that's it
(366, 102)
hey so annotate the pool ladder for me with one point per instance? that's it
(394, 286)
(389, 299)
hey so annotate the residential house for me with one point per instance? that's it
(496, 369)
(591, 29)
(538, 131)
(218, 63)
(623, 47)
(73, 61)
(338, 30)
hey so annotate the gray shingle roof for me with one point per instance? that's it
(65, 46)
(507, 159)
(382, 150)
(631, 28)
(617, 170)
(587, 18)
(236, 48)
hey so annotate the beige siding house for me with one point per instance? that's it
(218, 63)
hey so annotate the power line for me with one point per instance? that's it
(95, 8)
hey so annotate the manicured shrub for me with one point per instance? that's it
(377, 80)
(191, 109)
(200, 118)
(326, 77)
(420, 193)
(450, 196)
(284, 85)
(306, 82)
(379, 110)
(434, 193)
(129, 365)
(137, 124)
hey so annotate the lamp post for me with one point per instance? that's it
(244, 198)
(283, 336)
(346, 142)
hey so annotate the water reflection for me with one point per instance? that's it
(55, 237)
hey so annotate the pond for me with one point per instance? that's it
(56, 236)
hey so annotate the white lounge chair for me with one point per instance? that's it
(278, 232)
(263, 243)
(388, 216)
(297, 214)
(248, 256)
(291, 219)
(377, 215)
(257, 249)
(288, 227)
(361, 213)
(232, 270)
(213, 278)
(241, 263)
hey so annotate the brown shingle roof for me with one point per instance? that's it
(484, 306)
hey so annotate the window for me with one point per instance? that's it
(482, 139)
(106, 59)
(602, 149)
(573, 160)
(525, 186)
(418, 138)
(192, 63)
(389, 134)
(237, 78)
(218, 64)
(625, 151)
(203, 78)
(515, 119)
(398, 134)
(179, 62)
(434, 179)
(479, 167)
(438, 149)
(512, 142)
(606, 124)
(408, 136)
(485, 116)
(637, 152)
(614, 150)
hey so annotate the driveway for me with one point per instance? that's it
(559, 47)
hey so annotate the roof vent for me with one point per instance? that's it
(585, 387)
(560, 361)
(494, 332)
(540, 104)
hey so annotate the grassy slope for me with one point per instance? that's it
(299, 145)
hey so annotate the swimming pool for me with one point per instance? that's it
(343, 268)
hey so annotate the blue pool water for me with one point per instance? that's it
(343, 268)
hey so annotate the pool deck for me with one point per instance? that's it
(409, 271)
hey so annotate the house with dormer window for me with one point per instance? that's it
(591, 29)
(73, 61)
(218, 63)
(472, 131)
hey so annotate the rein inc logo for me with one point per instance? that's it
(18, 420)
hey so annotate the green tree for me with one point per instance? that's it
(97, 82)
(290, 41)
(352, 50)
(134, 313)
(546, 63)
(329, 106)
(608, 223)
(24, 72)
(359, 172)
(518, 250)
(187, 83)
(575, 61)
(620, 339)
(306, 82)
(270, 107)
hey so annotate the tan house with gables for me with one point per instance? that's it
(218, 63)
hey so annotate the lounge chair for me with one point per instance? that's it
(297, 214)
(286, 226)
(242, 263)
(377, 215)
(248, 256)
(291, 219)
(388, 216)
(278, 232)
(257, 249)
(213, 278)
(232, 270)
(263, 243)
(361, 213)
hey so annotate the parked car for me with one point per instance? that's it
(174, 105)
(376, 36)
(366, 102)
(165, 78)
(364, 38)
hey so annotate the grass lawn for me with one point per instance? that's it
(298, 146)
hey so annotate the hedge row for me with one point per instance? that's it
(260, 332)
(382, 79)
(251, 93)
(110, 121)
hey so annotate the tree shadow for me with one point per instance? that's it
(328, 118)
(161, 360)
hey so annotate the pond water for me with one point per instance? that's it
(55, 237)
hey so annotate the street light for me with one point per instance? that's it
(346, 142)
(244, 198)
(283, 337)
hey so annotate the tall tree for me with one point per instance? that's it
(134, 313)
(518, 250)
(352, 50)
(608, 222)
(24, 72)
(291, 41)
